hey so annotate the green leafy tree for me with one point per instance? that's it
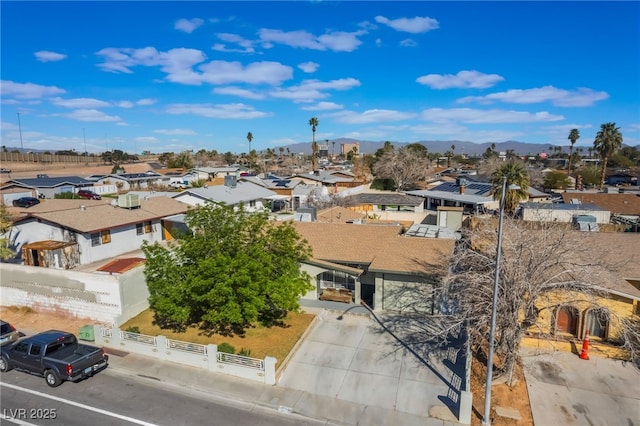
(229, 158)
(555, 179)
(516, 173)
(117, 169)
(418, 149)
(608, 141)
(590, 175)
(313, 122)
(234, 269)
(184, 160)
(574, 135)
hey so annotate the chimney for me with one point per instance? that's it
(462, 188)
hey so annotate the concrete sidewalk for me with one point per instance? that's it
(310, 408)
(564, 389)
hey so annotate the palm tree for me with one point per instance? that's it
(574, 135)
(516, 173)
(608, 141)
(313, 122)
(249, 138)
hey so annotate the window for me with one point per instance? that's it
(22, 347)
(98, 238)
(596, 323)
(147, 227)
(35, 350)
(139, 229)
(252, 203)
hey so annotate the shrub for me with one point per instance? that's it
(244, 352)
(226, 348)
(133, 329)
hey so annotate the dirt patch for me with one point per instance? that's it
(31, 321)
(516, 397)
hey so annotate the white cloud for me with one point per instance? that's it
(410, 25)
(83, 103)
(237, 91)
(312, 90)
(175, 132)
(177, 63)
(309, 67)
(267, 72)
(581, 97)
(371, 116)
(407, 42)
(27, 90)
(338, 41)
(91, 115)
(217, 111)
(125, 104)
(146, 101)
(479, 116)
(464, 79)
(246, 45)
(46, 56)
(188, 25)
(322, 106)
(146, 139)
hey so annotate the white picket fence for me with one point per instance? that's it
(193, 354)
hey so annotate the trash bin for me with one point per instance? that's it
(86, 333)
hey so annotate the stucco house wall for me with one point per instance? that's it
(106, 298)
(122, 239)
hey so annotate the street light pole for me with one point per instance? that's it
(486, 420)
(20, 129)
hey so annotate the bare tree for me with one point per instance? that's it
(404, 167)
(541, 271)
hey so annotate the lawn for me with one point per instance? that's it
(260, 341)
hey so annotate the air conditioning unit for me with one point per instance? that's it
(129, 201)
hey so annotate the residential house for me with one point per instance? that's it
(210, 173)
(179, 176)
(48, 187)
(474, 196)
(572, 316)
(615, 203)
(563, 213)
(376, 264)
(135, 181)
(372, 202)
(335, 180)
(94, 229)
(233, 193)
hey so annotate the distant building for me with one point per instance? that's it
(346, 148)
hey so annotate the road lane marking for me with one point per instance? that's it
(79, 405)
(16, 421)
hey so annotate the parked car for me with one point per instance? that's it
(89, 195)
(55, 355)
(25, 202)
(3, 170)
(8, 333)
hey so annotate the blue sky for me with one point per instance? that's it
(172, 76)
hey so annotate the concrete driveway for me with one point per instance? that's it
(564, 389)
(351, 360)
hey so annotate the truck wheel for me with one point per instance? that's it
(52, 378)
(4, 365)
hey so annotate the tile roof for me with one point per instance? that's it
(241, 193)
(615, 203)
(101, 214)
(380, 247)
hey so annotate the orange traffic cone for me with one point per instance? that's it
(585, 347)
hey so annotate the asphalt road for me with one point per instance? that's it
(111, 399)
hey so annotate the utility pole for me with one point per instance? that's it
(20, 129)
(86, 154)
